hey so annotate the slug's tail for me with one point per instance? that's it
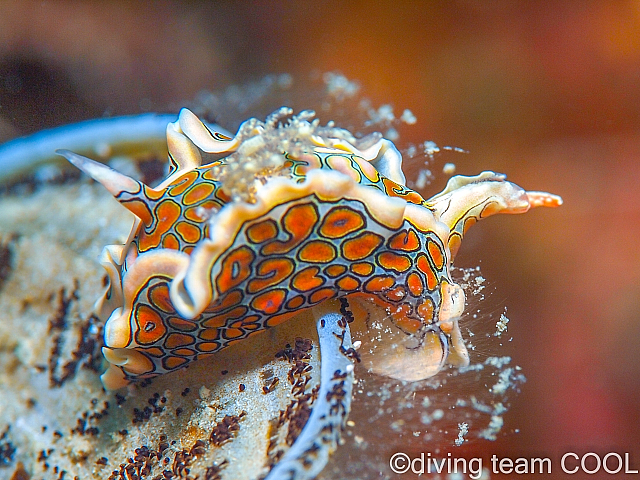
(132, 194)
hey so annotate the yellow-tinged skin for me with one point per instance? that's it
(202, 271)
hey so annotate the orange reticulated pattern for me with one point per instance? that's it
(436, 254)
(262, 231)
(176, 217)
(317, 251)
(395, 190)
(236, 267)
(393, 261)
(424, 266)
(362, 246)
(271, 271)
(341, 221)
(307, 279)
(150, 327)
(295, 256)
(405, 241)
(166, 214)
(298, 223)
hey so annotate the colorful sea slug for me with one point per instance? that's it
(286, 216)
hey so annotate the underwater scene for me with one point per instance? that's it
(238, 240)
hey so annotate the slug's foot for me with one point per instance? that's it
(319, 438)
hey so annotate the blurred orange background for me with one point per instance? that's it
(546, 92)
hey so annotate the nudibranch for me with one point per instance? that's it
(286, 216)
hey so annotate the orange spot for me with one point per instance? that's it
(230, 299)
(207, 174)
(150, 327)
(348, 283)
(263, 231)
(392, 261)
(322, 295)
(159, 297)
(170, 363)
(207, 347)
(363, 269)
(341, 221)
(184, 352)
(413, 197)
(379, 283)
(232, 333)
(468, 223)
(394, 190)
(178, 340)
(222, 197)
(269, 302)
(236, 267)
(362, 246)
(414, 282)
(223, 319)
(335, 270)
(170, 241)
(295, 302)
(198, 213)
(425, 267)
(425, 310)
(181, 324)
(489, 209)
(454, 244)
(396, 294)
(182, 183)
(275, 270)
(406, 241)
(250, 320)
(317, 251)
(197, 193)
(436, 254)
(153, 194)
(166, 213)
(189, 233)
(140, 209)
(278, 319)
(307, 279)
(298, 222)
(153, 351)
(209, 334)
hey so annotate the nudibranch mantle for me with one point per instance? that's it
(294, 216)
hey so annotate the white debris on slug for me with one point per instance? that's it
(383, 115)
(408, 117)
(259, 155)
(424, 178)
(463, 430)
(449, 168)
(340, 87)
(501, 325)
(490, 433)
(430, 148)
